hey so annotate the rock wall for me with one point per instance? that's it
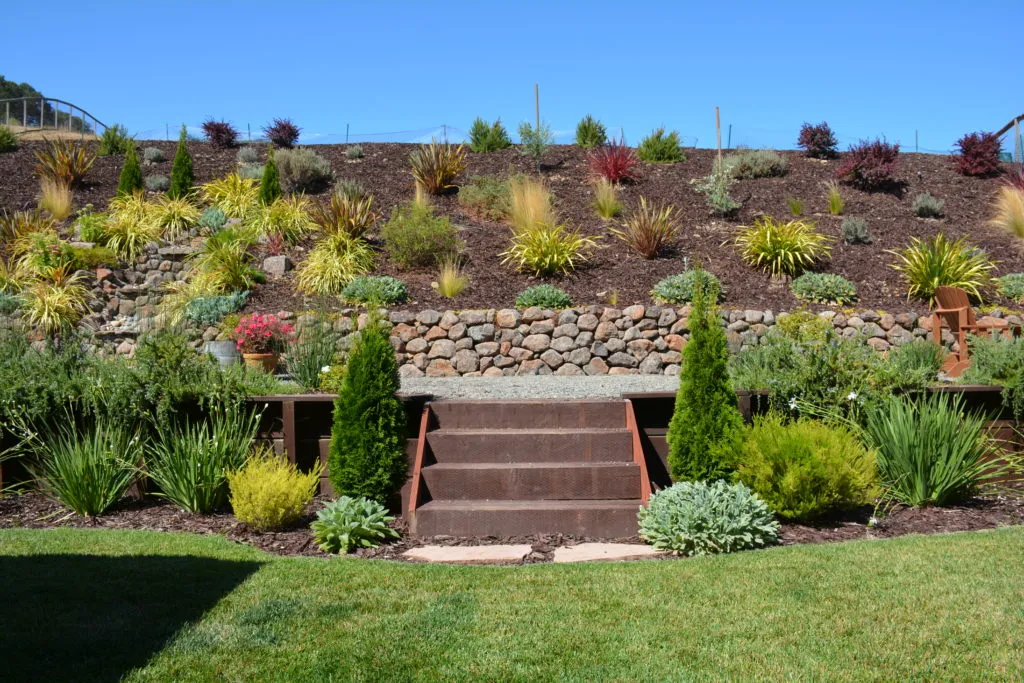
(599, 340)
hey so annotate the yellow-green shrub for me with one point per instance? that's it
(270, 492)
(806, 468)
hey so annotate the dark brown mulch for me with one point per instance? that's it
(385, 172)
(32, 510)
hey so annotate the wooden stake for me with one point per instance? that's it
(536, 103)
(718, 132)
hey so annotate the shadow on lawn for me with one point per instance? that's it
(88, 617)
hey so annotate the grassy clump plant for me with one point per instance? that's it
(649, 229)
(927, 265)
(782, 248)
(606, 199)
(1008, 210)
(332, 263)
(834, 201)
(451, 281)
(548, 249)
(436, 167)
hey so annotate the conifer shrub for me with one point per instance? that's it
(271, 493)
(115, 140)
(270, 184)
(870, 165)
(978, 155)
(590, 133)
(8, 140)
(705, 420)
(805, 468)
(221, 134)
(130, 181)
(367, 451)
(282, 132)
(182, 177)
(661, 148)
(817, 140)
(484, 137)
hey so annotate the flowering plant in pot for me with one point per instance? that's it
(260, 339)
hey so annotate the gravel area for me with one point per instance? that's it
(538, 386)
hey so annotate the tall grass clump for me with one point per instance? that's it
(190, 462)
(530, 203)
(931, 451)
(834, 201)
(1008, 210)
(435, 167)
(649, 229)
(87, 470)
(606, 199)
(927, 265)
(451, 281)
(56, 199)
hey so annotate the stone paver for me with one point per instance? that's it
(586, 552)
(469, 554)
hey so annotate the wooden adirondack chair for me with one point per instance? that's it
(954, 308)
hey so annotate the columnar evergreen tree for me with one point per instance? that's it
(270, 184)
(131, 174)
(706, 418)
(182, 177)
(367, 452)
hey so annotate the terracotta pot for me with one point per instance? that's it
(267, 362)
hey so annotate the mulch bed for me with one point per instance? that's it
(32, 510)
(385, 172)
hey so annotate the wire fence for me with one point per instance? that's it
(733, 136)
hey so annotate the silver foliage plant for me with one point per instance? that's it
(701, 518)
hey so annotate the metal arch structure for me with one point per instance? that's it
(48, 113)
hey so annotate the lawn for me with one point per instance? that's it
(151, 606)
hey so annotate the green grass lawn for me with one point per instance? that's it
(104, 604)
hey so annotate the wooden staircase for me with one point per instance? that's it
(512, 468)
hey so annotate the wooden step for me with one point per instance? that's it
(529, 414)
(530, 445)
(592, 518)
(532, 481)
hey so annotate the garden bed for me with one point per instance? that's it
(385, 172)
(34, 511)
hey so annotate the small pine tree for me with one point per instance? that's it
(367, 452)
(131, 174)
(706, 417)
(182, 177)
(270, 185)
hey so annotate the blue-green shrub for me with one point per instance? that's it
(679, 289)
(824, 288)
(543, 296)
(380, 289)
(208, 310)
(348, 523)
(698, 518)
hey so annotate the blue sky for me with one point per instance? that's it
(868, 68)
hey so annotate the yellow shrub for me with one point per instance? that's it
(270, 493)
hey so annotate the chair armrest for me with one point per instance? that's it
(950, 310)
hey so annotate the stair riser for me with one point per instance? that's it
(609, 523)
(528, 414)
(550, 483)
(554, 447)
